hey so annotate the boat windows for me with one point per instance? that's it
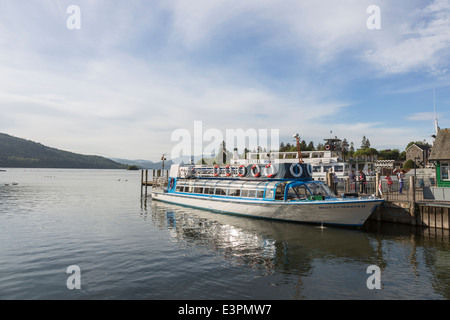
(248, 193)
(221, 191)
(198, 189)
(232, 192)
(279, 193)
(297, 193)
(320, 189)
(269, 194)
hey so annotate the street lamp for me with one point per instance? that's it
(163, 158)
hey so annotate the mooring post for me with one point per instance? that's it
(142, 181)
(412, 202)
(377, 183)
(146, 181)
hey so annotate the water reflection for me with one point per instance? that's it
(272, 246)
(415, 262)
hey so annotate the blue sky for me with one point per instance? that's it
(138, 70)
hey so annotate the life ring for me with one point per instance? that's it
(297, 173)
(228, 170)
(242, 170)
(256, 173)
(309, 169)
(327, 147)
(273, 171)
(216, 171)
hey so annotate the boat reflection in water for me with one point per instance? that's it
(264, 243)
(305, 261)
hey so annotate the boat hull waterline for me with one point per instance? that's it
(350, 213)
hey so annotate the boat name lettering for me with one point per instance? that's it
(342, 206)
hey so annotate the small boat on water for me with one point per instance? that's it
(280, 191)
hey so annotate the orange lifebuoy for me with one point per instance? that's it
(228, 170)
(256, 173)
(216, 172)
(273, 171)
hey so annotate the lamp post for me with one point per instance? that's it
(163, 158)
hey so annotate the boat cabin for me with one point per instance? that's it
(244, 184)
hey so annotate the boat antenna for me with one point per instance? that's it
(299, 152)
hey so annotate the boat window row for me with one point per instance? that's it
(246, 189)
(254, 189)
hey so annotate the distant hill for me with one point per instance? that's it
(21, 153)
(144, 164)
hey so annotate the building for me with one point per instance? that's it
(440, 154)
(419, 153)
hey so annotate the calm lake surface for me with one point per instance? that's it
(132, 248)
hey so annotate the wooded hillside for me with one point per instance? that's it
(21, 153)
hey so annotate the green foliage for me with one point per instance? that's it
(389, 154)
(21, 153)
(366, 152)
(409, 164)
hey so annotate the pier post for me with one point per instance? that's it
(377, 183)
(142, 181)
(412, 201)
(146, 181)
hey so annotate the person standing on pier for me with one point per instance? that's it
(363, 182)
(389, 181)
(352, 178)
(401, 178)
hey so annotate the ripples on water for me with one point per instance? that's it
(131, 248)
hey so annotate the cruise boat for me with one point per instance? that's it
(280, 191)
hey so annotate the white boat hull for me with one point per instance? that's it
(352, 213)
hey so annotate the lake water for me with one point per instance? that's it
(127, 247)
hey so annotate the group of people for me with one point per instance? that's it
(363, 180)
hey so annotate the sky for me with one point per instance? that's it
(120, 78)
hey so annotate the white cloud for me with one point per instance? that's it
(420, 43)
(137, 71)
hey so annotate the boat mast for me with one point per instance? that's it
(299, 152)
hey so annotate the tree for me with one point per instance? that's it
(352, 148)
(389, 154)
(366, 152)
(409, 164)
(365, 143)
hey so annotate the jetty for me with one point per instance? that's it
(156, 178)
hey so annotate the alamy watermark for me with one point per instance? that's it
(374, 20)
(73, 22)
(73, 281)
(374, 280)
(192, 143)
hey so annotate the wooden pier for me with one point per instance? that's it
(409, 208)
(158, 178)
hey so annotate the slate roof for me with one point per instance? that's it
(441, 147)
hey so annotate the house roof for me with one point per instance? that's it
(420, 146)
(441, 147)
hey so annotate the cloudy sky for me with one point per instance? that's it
(136, 71)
